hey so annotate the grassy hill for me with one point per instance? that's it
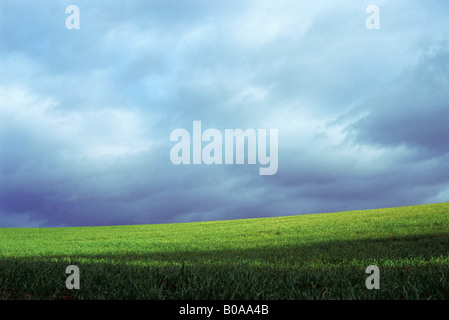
(320, 256)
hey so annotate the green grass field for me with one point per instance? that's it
(320, 256)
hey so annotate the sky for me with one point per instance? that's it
(86, 114)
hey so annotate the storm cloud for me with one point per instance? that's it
(86, 115)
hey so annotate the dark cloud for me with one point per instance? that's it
(412, 111)
(86, 115)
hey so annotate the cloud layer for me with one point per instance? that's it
(86, 115)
